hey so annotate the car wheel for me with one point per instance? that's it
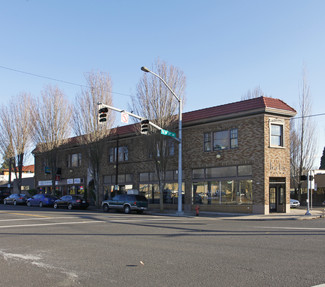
(105, 208)
(29, 204)
(127, 209)
(69, 206)
(40, 204)
(15, 202)
(55, 205)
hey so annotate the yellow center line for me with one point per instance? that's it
(25, 214)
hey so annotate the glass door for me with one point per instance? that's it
(272, 199)
(277, 197)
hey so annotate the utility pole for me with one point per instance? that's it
(308, 185)
(116, 166)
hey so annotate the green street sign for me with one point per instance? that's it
(167, 133)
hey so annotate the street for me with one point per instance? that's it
(47, 247)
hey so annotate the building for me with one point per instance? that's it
(27, 179)
(316, 189)
(236, 158)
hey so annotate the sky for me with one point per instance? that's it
(224, 47)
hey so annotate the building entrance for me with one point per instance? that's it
(277, 195)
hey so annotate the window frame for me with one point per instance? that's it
(123, 154)
(70, 163)
(280, 138)
(231, 140)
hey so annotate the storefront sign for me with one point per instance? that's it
(45, 183)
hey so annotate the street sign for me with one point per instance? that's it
(124, 117)
(168, 133)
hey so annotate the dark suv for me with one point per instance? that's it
(4, 194)
(126, 202)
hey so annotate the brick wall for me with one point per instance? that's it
(253, 149)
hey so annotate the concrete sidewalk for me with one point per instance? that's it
(295, 214)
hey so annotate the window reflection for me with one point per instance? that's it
(223, 192)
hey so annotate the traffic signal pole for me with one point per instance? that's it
(139, 118)
(163, 132)
(130, 114)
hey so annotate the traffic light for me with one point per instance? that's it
(303, 177)
(144, 127)
(102, 115)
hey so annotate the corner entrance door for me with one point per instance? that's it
(277, 197)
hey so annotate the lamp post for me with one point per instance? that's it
(179, 211)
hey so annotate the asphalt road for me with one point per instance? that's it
(47, 247)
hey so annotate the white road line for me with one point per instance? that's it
(33, 218)
(291, 228)
(49, 224)
(141, 220)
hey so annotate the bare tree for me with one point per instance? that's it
(255, 93)
(303, 140)
(16, 131)
(90, 132)
(155, 102)
(51, 120)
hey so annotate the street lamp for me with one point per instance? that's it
(179, 211)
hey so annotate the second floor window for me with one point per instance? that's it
(277, 135)
(207, 142)
(74, 160)
(123, 154)
(219, 140)
(167, 148)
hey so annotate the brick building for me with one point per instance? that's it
(236, 158)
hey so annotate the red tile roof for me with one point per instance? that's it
(260, 103)
(25, 169)
(124, 130)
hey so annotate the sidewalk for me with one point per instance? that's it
(295, 214)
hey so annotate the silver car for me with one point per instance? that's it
(15, 199)
(294, 203)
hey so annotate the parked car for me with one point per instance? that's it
(71, 201)
(4, 194)
(127, 203)
(41, 200)
(15, 198)
(294, 203)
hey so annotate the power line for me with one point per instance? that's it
(53, 79)
(310, 116)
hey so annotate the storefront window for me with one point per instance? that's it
(222, 192)
(198, 173)
(245, 192)
(244, 170)
(144, 176)
(152, 193)
(227, 171)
